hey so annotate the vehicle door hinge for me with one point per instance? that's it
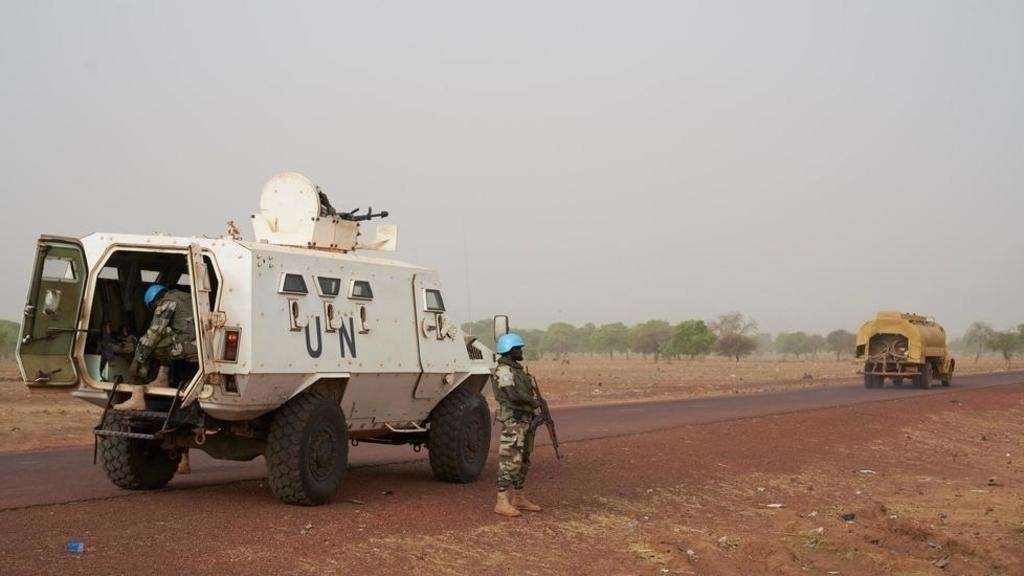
(218, 319)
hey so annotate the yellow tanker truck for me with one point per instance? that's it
(902, 347)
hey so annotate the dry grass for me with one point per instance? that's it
(32, 419)
(582, 379)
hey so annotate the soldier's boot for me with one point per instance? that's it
(163, 377)
(137, 401)
(183, 467)
(504, 507)
(520, 501)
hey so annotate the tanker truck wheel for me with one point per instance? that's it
(873, 381)
(460, 436)
(307, 450)
(135, 464)
(924, 379)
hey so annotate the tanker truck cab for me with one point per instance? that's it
(306, 340)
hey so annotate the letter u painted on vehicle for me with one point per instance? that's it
(315, 353)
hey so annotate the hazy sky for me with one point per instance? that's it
(804, 162)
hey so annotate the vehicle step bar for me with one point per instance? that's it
(145, 415)
(120, 434)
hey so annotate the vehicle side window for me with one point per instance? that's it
(109, 273)
(328, 287)
(360, 290)
(60, 269)
(433, 301)
(293, 284)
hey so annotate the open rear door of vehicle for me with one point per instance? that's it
(50, 323)
(202, 300)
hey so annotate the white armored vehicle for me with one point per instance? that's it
(305, 345)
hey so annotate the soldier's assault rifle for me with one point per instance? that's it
(544, 417)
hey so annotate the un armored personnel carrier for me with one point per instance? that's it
(306, 344)
(902, 347)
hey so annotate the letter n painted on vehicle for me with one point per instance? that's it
(347, 335)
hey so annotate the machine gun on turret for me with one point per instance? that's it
(355, 216)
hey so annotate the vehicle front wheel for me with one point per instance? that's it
(460, 436)
(307, 450)
(135, 464)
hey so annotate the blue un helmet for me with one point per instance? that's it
(152, 293)
(509, 341)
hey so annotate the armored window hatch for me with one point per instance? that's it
(433, 300)
(360, 290)
(293, 284)
(328, 287)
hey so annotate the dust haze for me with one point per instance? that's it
(806, 163)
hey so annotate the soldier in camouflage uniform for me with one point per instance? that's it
(514, 392)
(171, 336)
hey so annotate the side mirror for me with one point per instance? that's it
(501, 327)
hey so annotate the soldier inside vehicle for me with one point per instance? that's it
(120, 317)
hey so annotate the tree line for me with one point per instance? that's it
(732, 335)
(981, 338)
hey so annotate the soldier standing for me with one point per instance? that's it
(514, 392)
(171, 336)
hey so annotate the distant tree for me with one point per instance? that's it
(692, 338)
(816, 343)
(648, 337)
(1006, 343)
(977, 338)
(840, 341)
(8, 337)
(735, 346)
(560, 339)
(534, 349)
(482, 329)
(610, 338)
(765, 341)
(793, 343)
(584, 334)
(733, 323)
(668, 350)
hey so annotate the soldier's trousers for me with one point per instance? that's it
(171, 348)
(514, 451)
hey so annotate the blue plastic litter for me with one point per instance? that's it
(75, 547)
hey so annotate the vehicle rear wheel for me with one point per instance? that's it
(135, 464)
(947, 381)
(873, 381)
(924, 379)
(307, 450)
(460, 437)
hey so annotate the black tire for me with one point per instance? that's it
(460, 436)
(135, 464)
(924, 379)
(872, 381)
(307, 450)
(947, 381)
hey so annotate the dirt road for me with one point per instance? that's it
(42, 477)
(647, 488)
